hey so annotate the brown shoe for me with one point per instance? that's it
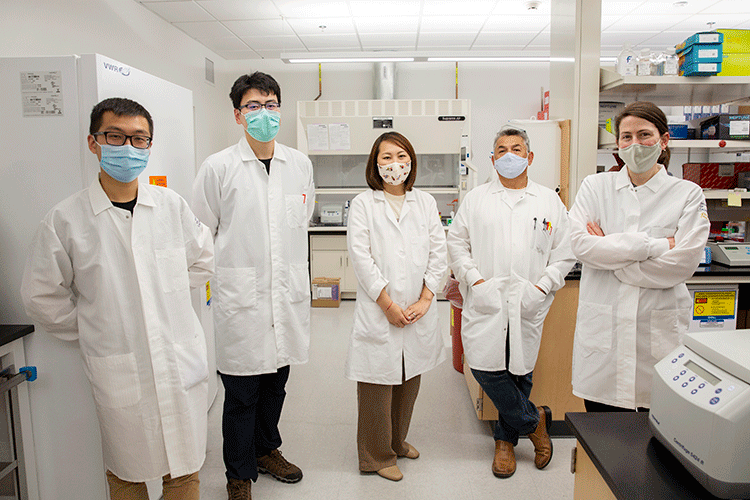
(504, 464)
(412, 453)
(239, 489)
(279, 467)
(393, 473)
(540, 438)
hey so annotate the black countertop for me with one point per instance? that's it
(630, 460)
(713, 269)
(9, 333)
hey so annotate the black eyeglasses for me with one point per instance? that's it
(118, 139)
(255, 106)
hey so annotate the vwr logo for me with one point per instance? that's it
(123, 70)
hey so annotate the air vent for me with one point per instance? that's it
(210, 71)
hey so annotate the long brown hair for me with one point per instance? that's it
(651, 113)
(373, 175)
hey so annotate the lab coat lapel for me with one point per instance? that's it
(406, 208)
(379, 196)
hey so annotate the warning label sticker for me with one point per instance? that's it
(718, 304)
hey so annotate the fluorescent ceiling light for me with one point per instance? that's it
(406, 56)
(348, 59)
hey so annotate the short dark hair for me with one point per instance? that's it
(373, 175)
(262, 82)
(120, 106)
(649, 112)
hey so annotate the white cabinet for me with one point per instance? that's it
(329, 258)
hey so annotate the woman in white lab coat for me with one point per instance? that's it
(397, 246)
(640, 234)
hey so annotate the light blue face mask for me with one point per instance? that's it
(263, 125)
(510, 165)
(123, 163)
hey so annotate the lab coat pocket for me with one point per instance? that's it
(173, 272)
(594, 325)
(236, 288)
(299, 282)
(295, 210)
(531, 300)
(664, 331)
(192, 361)
(485, 297)
(420, 248)
(114, 380)
(542, 239)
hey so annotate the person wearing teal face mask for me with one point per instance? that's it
(257, 197)
(112, 267)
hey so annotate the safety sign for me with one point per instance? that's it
(714, 305)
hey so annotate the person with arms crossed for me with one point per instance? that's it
(112, 267)
(640, 234)
(397, 246)
(256, 197)
(509, 247)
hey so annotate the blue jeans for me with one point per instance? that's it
(252, 408)
(510, 393)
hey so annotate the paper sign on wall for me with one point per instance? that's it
(317, 137)
(339, 136)
(41, 93)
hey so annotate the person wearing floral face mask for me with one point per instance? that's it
(640, 234)
(509, 248)
(396, 244)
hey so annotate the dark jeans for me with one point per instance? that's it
(593, 406)
(510, 394)
(250, 423)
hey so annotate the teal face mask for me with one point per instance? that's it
(263, 125)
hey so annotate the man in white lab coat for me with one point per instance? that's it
(112, 267)
(509, 247)
(257, 197)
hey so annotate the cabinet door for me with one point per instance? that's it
(328, 264)
(349, 283)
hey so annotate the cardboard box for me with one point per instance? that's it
(325, 292)
(678, 131)
(702, 37)
(700, 69)
(710, 52)
(726, 127)
(714, 175)
(736, 41)
(735, 64)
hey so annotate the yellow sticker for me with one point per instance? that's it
(714, 304)
(734, 200)
(208, 293)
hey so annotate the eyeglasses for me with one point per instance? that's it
(255, 106)
(118, 139)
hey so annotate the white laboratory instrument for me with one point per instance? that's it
(730, 254)
(700, 409)
(332, 214)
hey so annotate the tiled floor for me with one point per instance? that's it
(319, 425)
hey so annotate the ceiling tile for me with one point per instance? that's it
(452, 23)
(269, 27)
(515, 7)
(178, 12)
(387, 11)
(311, 26)
(515, 23)
(238, 54)
(388, 40)
(224, 43)
(634, 38)
(667, 7)
(384, 25)
(457, 40)
(699, 22)
(313, 42)
(273, 42)
(619, 7)
(230, 10)
(665, 39)
(306, 8)
(457, 7)
(521, 38)
(608, 21)
(210, 29)
(646, 22)
(542, 38)
(731, 7)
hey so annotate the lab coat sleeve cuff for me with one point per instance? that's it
(432, 285)
(657, 247)
(545, 283)
(376, 288)
(472, 276)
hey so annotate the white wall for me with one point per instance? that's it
(127, 32)
(498, 92)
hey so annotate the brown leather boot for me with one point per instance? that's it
(540, 438)
(239, 489)
(504, 464)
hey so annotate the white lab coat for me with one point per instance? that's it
(262, 283)
(513, 249)
(633, 305)
(400, 256)
(120, 284)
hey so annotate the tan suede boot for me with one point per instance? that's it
(504, 464)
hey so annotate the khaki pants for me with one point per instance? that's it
(180, 488)
(384, 418)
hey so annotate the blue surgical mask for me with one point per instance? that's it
(123, 163)
(510, 165)
(263, 125)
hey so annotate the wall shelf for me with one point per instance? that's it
(674, 90)
(356, 191)
(607, 144)
(722, 194)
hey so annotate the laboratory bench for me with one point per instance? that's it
(9, 333)
(617, 457)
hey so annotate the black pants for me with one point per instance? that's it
(593, 406)
(250, 424)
